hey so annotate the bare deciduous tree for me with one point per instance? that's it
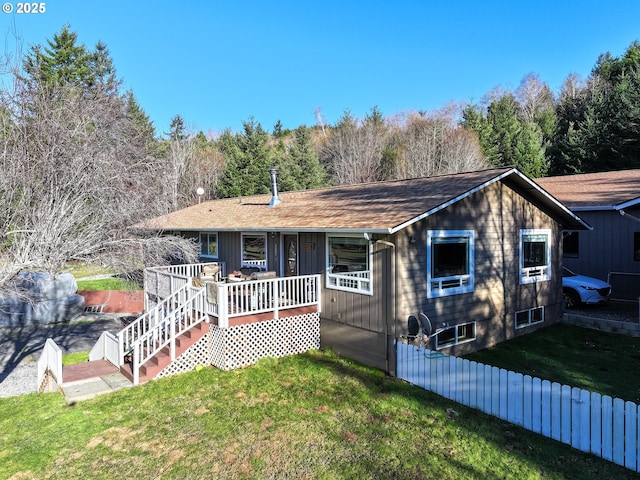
(533, 96)
(203, 165)
(74, 176)
(430, 145)
(354, 150)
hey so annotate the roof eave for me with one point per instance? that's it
(565, 214)
(377, 230)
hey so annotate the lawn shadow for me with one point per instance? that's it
(25, 343)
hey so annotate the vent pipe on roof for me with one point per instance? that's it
(275, 199)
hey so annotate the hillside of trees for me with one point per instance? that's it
(81, 161)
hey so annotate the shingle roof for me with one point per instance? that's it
(373, 207)
(595, 190)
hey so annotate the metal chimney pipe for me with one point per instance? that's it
(275, 200)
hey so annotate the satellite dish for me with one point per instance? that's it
(413, 327)
(200, 191)
(425, 323)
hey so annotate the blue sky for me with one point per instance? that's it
(216, 63)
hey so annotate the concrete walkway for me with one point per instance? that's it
(83, 381)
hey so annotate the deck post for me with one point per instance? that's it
(276, 299)
(223, 305)
(172, 329)
(120, 348)
(135, 364)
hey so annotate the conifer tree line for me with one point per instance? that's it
(77, 144)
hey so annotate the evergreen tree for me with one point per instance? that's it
(506, 138)
(599, 122)
(177, 130)
(144, 126)
(248, 159)
(102, 71)
(63, 61)
(277, 130)
(301, 168)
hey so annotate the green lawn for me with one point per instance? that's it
(311, 416)
(77, 357)
(82, 269)
(112, 283)
(596, 361)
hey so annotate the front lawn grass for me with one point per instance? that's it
(77, 357)
(83, 269)
(310, 416)
(597, 361)
(111, 283)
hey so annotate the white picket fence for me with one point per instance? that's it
(605, 426)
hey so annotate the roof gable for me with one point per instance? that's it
(381, 207)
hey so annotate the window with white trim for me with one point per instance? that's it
(254, 250)
(531, 316)
(463, 333)
(449, 262)
(349, 263)
(535, 255)
(209, 245)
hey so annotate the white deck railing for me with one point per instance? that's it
(236, 299)
(163, 281)
(179, 305)
(225, 300)
(354, 281)
(129, 335)
(188, 312)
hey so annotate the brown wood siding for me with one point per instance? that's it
(369, 312)
(362, 345)
(229, 250)
(311, 253)
(355, 325)
(496, 214)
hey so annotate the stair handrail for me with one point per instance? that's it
(186, 314)
(141, 325)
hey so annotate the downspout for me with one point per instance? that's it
(390, 329)
(394, 282)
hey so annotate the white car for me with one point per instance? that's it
(579, 289)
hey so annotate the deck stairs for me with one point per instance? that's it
(161, 359)
(137, 354)
(155, 339)
(149, 344)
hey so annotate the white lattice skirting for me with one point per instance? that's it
(197, 354)
(244, 345)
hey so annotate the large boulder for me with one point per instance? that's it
(42, 286)
(43, 300)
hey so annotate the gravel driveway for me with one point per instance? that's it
(613, 310)
(20, 348)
